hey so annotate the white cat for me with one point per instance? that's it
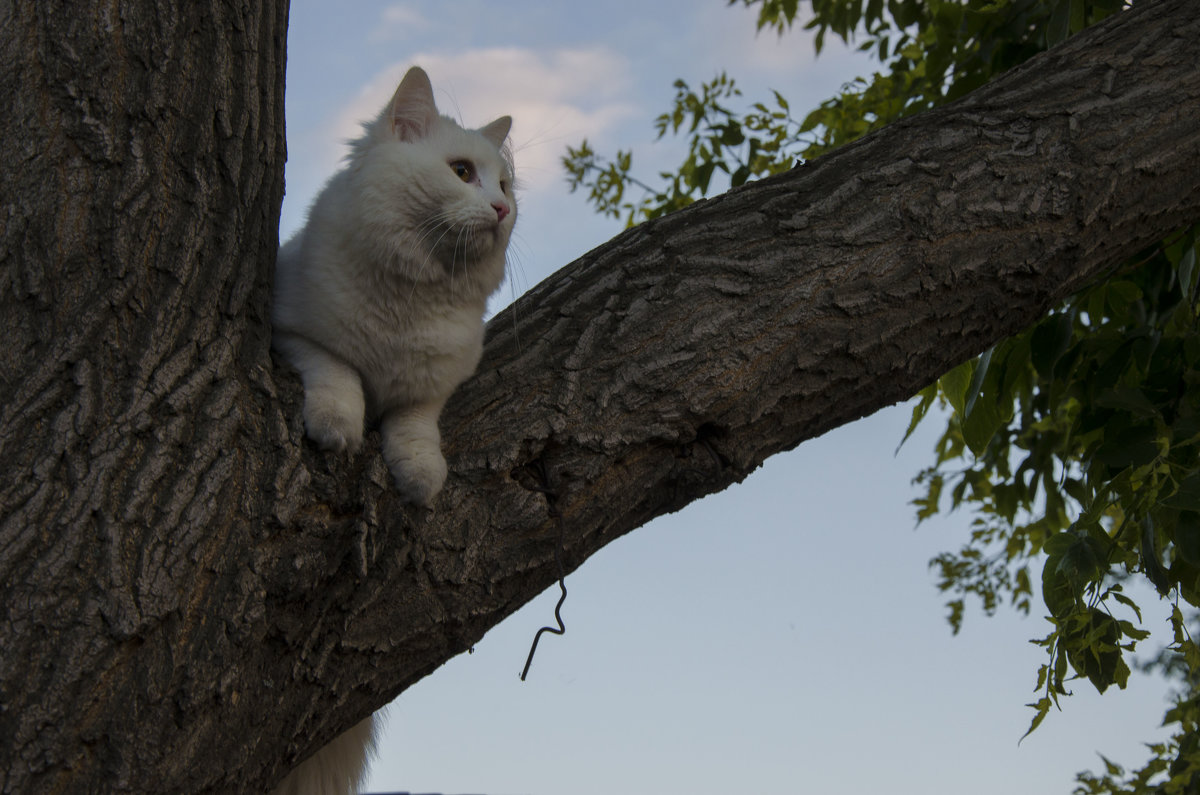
(379, 299)
(379, 304)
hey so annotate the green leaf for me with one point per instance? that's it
(1042, 707)
(1092, 645)
(1187, 538)
(1059, 544)
(1122, 297)
(980, 426)
(1057, 592)
(927, 506)
(1125, 600)
(1128, 398)
(732, 135)
(1060, 23)
(1050, 341)
(1132, 632)
(956, 383)
(983, 416)
(978, 374)
(1187, 496)
(1151, 564)
(1078, 16)
(1130, 447)
(1187, 272)
(1080, 558)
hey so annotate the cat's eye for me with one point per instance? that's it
(463, 170)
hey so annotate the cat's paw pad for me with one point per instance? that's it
(333, 430)
(420, 477)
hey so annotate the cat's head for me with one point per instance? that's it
(425, 183)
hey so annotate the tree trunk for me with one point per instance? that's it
(194, 597)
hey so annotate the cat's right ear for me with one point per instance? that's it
(497, 131)
(412, 110)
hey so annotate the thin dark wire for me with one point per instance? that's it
(562, 628)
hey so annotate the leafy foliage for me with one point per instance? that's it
(1175, 764)
(741, 146)
(1075, 444)
(934, 51)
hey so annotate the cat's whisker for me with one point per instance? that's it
(440, 224)
(466, 237)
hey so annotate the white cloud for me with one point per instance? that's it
(402, 14)
(397, 21)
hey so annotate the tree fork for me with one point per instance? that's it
(196, 597)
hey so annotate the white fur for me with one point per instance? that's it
(336, 769)
(379, 300)
(379, 304)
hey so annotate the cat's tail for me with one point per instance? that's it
(336, 769)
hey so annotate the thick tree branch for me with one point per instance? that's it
(195, 595)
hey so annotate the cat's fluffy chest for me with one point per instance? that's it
(412, 350)
(409, 339)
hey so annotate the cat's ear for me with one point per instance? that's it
(497, 131)
(412, 111)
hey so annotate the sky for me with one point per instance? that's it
(783, 636)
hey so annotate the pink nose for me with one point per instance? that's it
(501, 209)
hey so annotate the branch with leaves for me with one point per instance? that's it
(1074, 443)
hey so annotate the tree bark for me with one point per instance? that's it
(194, 597)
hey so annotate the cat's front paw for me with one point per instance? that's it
(419, 477)
(334, 404)
(333, 430)
(412, 448)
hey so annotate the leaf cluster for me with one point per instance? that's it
(739, 146)
(1076, 444)
(950, 46)
(1174, 766)
(932, 51)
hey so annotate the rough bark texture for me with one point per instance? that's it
(194, 597)
(142, 177)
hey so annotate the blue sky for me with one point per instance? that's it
(784, 636)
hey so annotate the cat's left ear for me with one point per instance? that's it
(497, 131)
(412, 112)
